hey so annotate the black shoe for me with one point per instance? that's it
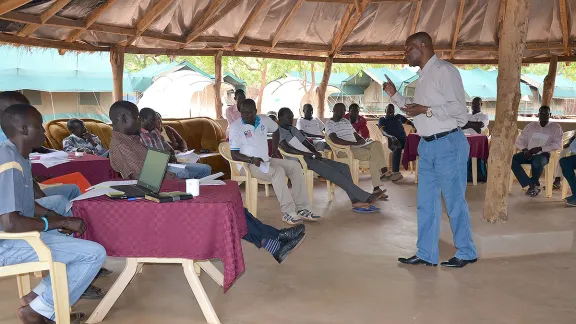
(457, 263)
(288, 247)
(415, 261)
(93, 292)
(103, 273)
(290, 233)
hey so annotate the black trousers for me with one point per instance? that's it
(258, 231)
(396, 155)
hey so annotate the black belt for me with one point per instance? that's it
(439, 135)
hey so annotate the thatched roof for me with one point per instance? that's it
(466, 31)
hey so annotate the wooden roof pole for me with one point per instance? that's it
(117, 62)
(416, 17)
(564, 22)
(208, 21)
(49, 13)
(550, 81)
(9, 5)
(512, 41)
(457, 29)
(91, 19)
(149, 18)
(348, 28)
(324, 85)
(249, 21)
(218, 84)
(286, 22)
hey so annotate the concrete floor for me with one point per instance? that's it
(346, 272)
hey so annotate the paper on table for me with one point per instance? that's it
(51, 159)
(189, 157)
(108, 184)
(212, 177)
(176, 165)
(212, 183)
(97, 192)
(538, 140)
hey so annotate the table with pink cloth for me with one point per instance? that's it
(94, 168)
(210, 226)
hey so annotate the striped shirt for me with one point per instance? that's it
(127, 154)
(154, 140)
(343, 129)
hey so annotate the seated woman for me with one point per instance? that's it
(294, 142)
(170, 135)
(81, 140)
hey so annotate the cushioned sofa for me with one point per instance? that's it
(199, 133)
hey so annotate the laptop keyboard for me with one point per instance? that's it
(130, 190)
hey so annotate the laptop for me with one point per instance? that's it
(151, 176)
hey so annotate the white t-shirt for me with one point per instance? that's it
(479, 117)
(343, 129)
(252, 140)
(314, 126)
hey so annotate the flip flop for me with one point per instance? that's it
(371, 209)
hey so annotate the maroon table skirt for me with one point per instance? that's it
(478, 148)
(209, 226)
(94, 168)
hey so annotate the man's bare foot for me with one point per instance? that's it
(24, 301)
(28, 316)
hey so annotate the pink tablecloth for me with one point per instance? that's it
(209, 226)
(478, 148)
(94, 168)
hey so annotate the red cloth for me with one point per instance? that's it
(209, 226)
(94, 168)
(360, 126)
(478, 148)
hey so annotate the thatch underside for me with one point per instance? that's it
(464, 31)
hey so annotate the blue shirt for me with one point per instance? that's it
(573, 146)
(3, 137)
(16, 182)
(393, 125)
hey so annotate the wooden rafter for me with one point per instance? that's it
(249, 21)
(353, 1)
(149, 18)
(210, 18)
(91, 19)
(457, 29)
(286, 22)
(357, 4)
(352, 17)
(49, 13)
(564, 22)
(416, 17)
(210, 11)
(9, 5)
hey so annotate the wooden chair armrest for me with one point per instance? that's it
(32, 238)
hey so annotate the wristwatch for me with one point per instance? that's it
(429, 113)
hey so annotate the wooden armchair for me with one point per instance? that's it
(57, 273)
(251, 201)
(343, 153)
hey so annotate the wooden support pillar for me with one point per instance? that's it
(324, 85)
(550, 81)
(510, 52)
(117, 61)
(218, 84)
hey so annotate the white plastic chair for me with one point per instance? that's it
(348, 157)
(45, 263)
(549, 173)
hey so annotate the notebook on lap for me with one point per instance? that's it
(151, 176)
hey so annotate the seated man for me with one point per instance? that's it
(248, 143)
(568, 164)
(312, 127)
(391, 126)
(536, 142)
(294, 142)
(18, 213)
(170, 135)
(341, 132)
(233, 112)
(150, 137)
(477, 120)
(82, 140)
(564, 153)
(358, 122)
(273, 115)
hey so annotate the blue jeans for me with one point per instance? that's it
(568, 164)
(442, 169)
(57, 198)
(537, 162)
(69, 191)
(83, 260)
(191, 171)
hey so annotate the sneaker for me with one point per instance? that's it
(386, 176)
(396, 176)
(571, 201)
(287, 247)
(292, 218)
(307, 215)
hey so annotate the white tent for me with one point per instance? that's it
(183, 94)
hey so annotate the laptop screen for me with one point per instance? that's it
(153, 170)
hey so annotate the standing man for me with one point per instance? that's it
(477, 120)
(233, 112)
(358, 122)
(439, 111)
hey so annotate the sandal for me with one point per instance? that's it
(533, 192)
(104, 273)
(93, 292)
(371, 209)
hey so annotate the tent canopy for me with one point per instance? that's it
(357, 83)
(351, 30)
(335, 79)
(563, 88)
(47, 70)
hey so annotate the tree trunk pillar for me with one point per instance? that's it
(324, 85)
(510, 52)
(117, 62)
(218, 85)
(550, 81)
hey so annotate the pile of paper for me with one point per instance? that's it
(50, 159)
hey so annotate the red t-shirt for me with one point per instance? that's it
(360, 126)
